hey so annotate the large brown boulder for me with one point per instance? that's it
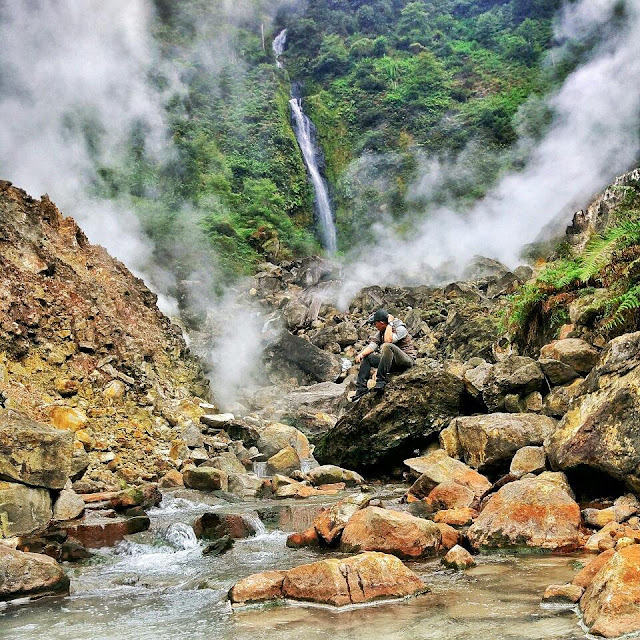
(312, 362)
(33, 453)
(398, 533)
(512, 375)
(438, 467)
(23, 509)
(489, 441)
(533, 512)
(330, 523)
(29, 574)
(362, 578)
(601, 429)
(574, 352)
(383, 429)
(611, 603)
(205, 478)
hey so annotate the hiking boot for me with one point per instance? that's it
(379, 386)
(360, 391)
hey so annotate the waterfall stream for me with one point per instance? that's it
(305, 135)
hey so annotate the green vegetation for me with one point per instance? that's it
(606, 275)
(391, 81)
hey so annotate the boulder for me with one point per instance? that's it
(29, 575)
(330, 523)
(33, 453)
(460, 517)
(330, 473)
(212, 526)
(68, 418)
(574, 352)
(247, 485)
(489, 441)
(401, 534)
(528, 460)
(296, 490)
(307, 538)
(470, 329)
(534, 512)
(458, 558)
(363, 578)
(381, 430)
(557, 372)
(559, 401)
(437, 467)
(275, 437)
(95, 530)
(205, 478)
(450, 537)
(600, 430)
(512, 375)
(309, 359)
(171, 479)
(284, 461)
(477, 378)
(562, 594)
(584, 577)
(68, 506)
(611, 603)
(450, 495)
(23, 509)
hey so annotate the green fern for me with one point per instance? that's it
(622, 304)
(600, 248)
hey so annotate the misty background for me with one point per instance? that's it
(85, 90)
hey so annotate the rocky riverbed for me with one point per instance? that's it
(132, 499)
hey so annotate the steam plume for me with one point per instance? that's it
(594, 137)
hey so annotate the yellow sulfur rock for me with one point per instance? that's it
(68, 418)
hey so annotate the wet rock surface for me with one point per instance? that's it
(401, 534)
(532, 512)
(363, 578)
(29, 574)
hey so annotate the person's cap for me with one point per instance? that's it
(379, 316)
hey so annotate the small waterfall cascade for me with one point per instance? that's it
(279, 43)
(260, 469)
(305, 135)
(253, 520)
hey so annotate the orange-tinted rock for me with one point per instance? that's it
(611, 603)
(533, 512)
(171, 479)
(450, 537)
(95, 531)
(362, 578)
(456, 517)
(458, 558)
(296, 490)
(584, 577)
(450, 495)
(403, 535)
(29, 574)
(307, 538)
(330, 523)
(335, 486)
(258, 587)
(438, 467)
(562, 593)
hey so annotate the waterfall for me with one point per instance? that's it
(260, 469)
(305, 135)
(278, 45)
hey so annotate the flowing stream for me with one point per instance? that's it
(158, 586)
(306, 137)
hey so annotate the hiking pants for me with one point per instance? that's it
(390, 358)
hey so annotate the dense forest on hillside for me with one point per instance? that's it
(391, 86)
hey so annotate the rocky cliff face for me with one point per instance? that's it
(84, 347)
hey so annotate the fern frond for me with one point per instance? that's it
(628, 301)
